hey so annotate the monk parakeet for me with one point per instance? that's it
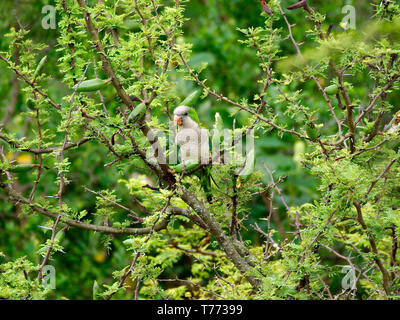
(193, 143)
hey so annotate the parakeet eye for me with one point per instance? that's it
(185, 114)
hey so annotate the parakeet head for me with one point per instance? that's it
(181, 115)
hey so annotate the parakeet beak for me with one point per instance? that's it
(178, 120)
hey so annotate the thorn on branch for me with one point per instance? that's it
(113, 138)
(85, 115)
(265, 7)
(300, 4)
(133, 98)
(340, 105)
(329, 30)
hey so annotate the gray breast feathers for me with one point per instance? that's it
(193, 144)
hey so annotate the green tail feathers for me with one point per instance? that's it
(205, 180)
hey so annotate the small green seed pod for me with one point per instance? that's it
(90, 85)
(30, 103)
(59, 236)
(137, 113)
(331, 90)
(190, 99)
(39, 67)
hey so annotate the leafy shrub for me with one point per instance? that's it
(87, 187)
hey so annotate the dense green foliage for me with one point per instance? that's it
(83, 186)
